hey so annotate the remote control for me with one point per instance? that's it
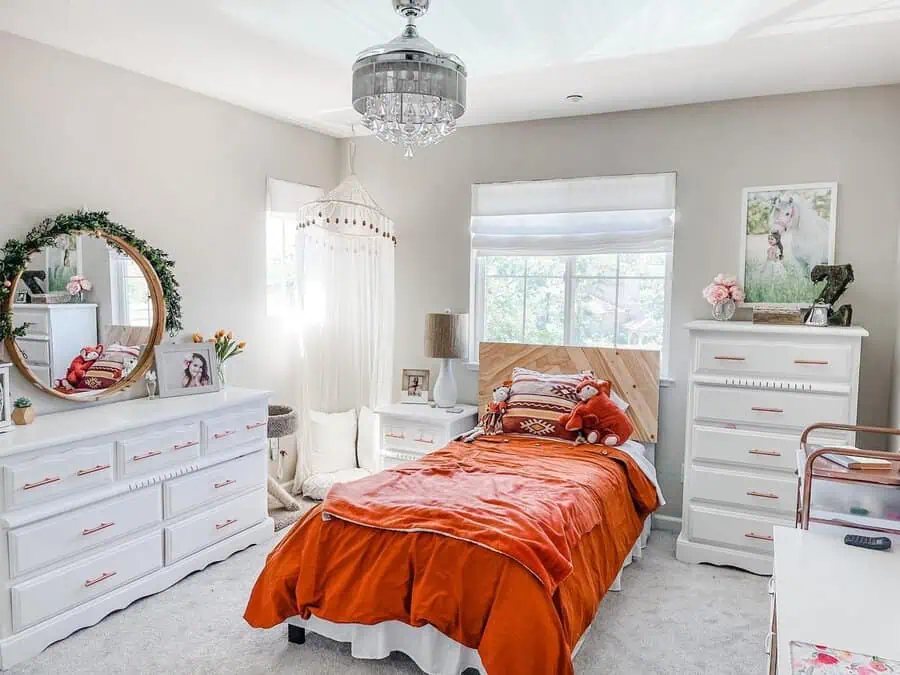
(873, 543)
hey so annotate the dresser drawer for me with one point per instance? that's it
(768, 407)
(758, 449)
(57, 474)
(735, 530)
(35, 351)
(416, 436)
(37, 318)
(220, 522)
(54, 592)
(215, 483)
(71, 534)
(234, 428)
(770, 493)
(783, 359)
(151, 451)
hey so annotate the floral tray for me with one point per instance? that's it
(807, 659)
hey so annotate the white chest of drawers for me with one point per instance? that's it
(753, 389)
(409, 431)
(105, 505)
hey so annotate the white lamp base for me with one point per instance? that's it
(445, 391)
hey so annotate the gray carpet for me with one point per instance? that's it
(670, 618)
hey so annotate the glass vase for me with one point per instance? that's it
(724, 310)
(220, 369)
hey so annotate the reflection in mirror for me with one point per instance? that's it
(90, 313)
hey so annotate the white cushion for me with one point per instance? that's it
(332, 441)
(318, 485)
(367, 440)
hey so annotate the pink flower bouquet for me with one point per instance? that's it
(723, 287)
(78, 284)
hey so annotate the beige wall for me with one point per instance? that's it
(185, 172)
(850, 136)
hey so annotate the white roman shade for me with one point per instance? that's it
(612, 214)
(285, 197)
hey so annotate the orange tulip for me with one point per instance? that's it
(241, 345)
(197, 337)
(228, 335)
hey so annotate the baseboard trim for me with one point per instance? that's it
(667, 523)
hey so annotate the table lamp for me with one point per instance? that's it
(445, 339)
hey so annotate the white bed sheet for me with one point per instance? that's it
(431, 650)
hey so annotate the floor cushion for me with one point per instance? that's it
(318, 485)
(332, 441)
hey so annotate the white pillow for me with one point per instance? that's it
(333, 441)
(318, 485)
(367, 440)
(620, 402)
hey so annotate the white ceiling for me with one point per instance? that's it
(291, 59)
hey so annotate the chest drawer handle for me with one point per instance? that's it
(730, 358)
(99, 467)
(41, 483)
(101, 526)
(230, 521)
(391, 434)
(777, 411)
(764, 495)
(256, 425)
(102, 577)
(187, 444)
(805, 362)
(765, 453)
(223, 434)
(422, 439)
(224, 483)
(764, 537)
(146, 455)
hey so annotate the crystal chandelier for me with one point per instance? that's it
(409, 92)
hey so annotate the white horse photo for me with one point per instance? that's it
(809, 233)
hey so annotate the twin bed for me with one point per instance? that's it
(492, 555)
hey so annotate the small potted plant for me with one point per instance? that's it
(23, 413)
(723, 293)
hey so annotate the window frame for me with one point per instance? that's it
(477, 291)
(118, 277)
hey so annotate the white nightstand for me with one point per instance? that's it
(409, 431)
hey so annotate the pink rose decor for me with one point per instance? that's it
(722, 294)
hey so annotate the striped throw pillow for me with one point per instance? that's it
(537, 401)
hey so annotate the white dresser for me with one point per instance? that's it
(56, 334)
(409, 431)
(753, 389)
(105, 505)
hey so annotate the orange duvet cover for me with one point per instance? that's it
(506, 547)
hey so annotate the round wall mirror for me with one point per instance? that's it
(94, 309)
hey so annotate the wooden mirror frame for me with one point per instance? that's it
(157, 330)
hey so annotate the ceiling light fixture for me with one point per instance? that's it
(574, 98)
(409, 92)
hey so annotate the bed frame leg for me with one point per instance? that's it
(296, 634)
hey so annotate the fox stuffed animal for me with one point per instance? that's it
(597, 416)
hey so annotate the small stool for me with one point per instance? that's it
(282, 422)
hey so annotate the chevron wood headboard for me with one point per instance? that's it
(633, 373)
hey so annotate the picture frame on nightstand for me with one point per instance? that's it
(5, 399)
(415, 384)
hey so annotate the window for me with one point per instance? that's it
(131, 296)
(284, 200)
(532, 283)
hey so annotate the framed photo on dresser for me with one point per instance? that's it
(187, 368)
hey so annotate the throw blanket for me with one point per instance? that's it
(530, 505)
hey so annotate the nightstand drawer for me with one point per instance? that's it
(420, 437)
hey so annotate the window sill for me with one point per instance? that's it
(664, 381)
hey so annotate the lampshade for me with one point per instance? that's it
(445, 335)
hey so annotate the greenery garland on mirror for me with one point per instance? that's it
(15, 253)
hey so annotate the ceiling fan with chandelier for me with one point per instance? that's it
(409, 92)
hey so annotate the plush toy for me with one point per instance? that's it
(492, 421)
(597, 416)
(81, 363)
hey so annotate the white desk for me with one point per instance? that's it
(831, 594)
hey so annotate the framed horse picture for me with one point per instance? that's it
(786, 230)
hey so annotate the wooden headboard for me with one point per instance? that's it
(634, 374)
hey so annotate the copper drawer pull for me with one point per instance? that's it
(230, 521)
(393, 435)
(764, 495)
(182, 446)
(766, 453)
(224, 483)
(804, 362)
(425, 440)
(764, 537)
(256, 425)
(729, 358)
(99, 467)
(101, 526)
(40, 483)
(102, 577)
(777, 411)
(223, 434)
(152, 453)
